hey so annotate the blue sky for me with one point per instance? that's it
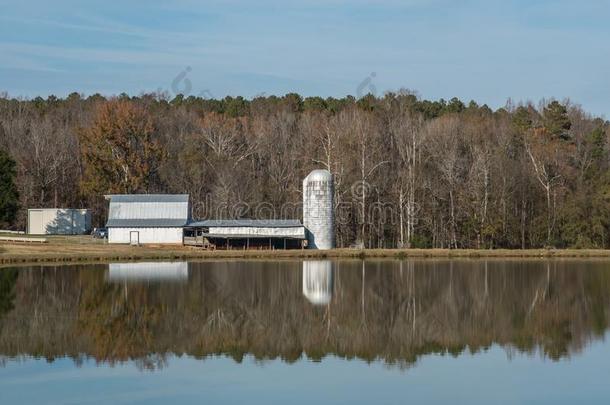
(488, 377)
(487, 50)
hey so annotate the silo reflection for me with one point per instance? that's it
(318, 281)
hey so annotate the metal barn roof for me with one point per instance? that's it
(147, 198)
(148, 210)
(146, 223)
(260, 223)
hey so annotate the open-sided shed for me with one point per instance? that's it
(247, 233)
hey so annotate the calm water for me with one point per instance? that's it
(307, 332)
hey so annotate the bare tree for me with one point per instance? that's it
(409, 138)
(543, 156)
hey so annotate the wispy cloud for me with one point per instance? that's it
(487, 50)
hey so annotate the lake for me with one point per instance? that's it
(302, 332)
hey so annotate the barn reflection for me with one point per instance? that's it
(153, 271)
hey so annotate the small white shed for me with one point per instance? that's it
(58, 221)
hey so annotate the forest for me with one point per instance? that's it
(408, 172)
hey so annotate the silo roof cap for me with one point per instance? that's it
(319, 174)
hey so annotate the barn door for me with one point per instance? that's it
(134, 238)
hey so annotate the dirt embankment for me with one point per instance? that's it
(85, 249)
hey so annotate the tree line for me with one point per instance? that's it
(408, 172)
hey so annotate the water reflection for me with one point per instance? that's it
(318, 281)
(375, 310)
(154, 271)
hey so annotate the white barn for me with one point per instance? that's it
(147, 218)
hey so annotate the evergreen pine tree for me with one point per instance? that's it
(9, 196)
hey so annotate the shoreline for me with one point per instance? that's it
(57, 253)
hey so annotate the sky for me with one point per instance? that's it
(486, 50)
(487, 377)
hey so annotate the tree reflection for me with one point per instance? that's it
(374, 310)
(8, 278)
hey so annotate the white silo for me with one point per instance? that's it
(318, 209)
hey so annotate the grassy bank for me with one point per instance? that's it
(85, 249)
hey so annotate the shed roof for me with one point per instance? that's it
(259, 223)
(252, 236)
